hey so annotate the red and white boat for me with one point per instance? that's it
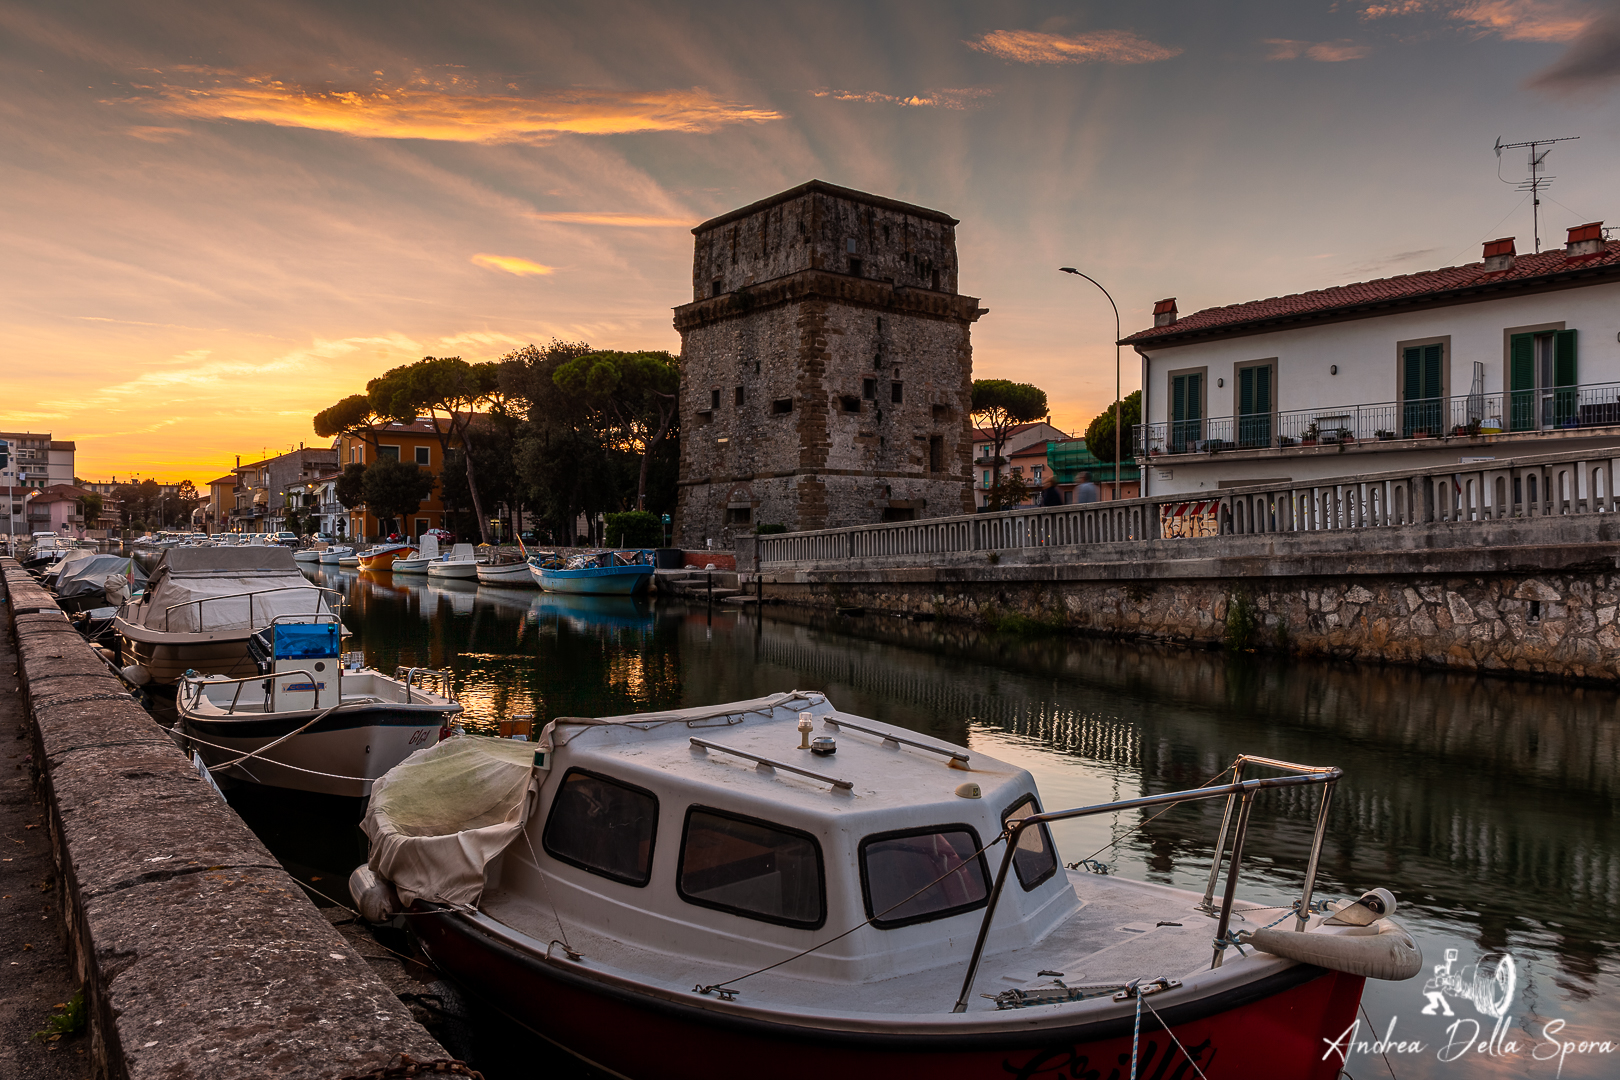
(708, 891)
(382, 556)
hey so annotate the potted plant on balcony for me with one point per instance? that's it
(1344, 435)
(1384, 435)
(1309, 436)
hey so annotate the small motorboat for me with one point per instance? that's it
(606, 573)
(306, 722)
(461, 564)
(427, 550)
(87, 580)
(382, 556)
(334, 554)
(201, 605)
(512, 571)
(310, 554)
(779, 882)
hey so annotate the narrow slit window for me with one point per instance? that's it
(739, 397)
(714, 399)
(897, 393)
(869, 389)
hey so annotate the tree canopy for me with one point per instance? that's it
(395, 489)
(632, 396)
(1100, 432)
(355, 415)
(999, 405)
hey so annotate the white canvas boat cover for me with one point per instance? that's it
(438, 818)
(89, 575)
(199, 590)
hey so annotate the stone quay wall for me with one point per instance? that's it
(200, 956)
(1537, 597)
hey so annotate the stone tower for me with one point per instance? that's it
(827, 370)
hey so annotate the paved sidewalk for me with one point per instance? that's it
(36, 973)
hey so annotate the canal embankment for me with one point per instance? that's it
(199, 956)
(1439, 569)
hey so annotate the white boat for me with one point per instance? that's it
(349, 560)
(427, 550)
(201, 604)
(823, 895)
(514, 573)
(461, 563)
(304, 721)
(332, 555)
(308, 555)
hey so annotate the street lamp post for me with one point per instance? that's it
(1076, 273)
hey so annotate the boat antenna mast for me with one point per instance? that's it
(1537, 182)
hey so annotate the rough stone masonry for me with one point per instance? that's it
(826, 367)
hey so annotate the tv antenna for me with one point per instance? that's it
(1537, 182)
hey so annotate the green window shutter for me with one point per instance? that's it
(1412, 374)
(1564, 358)
(1246, 391)
(1432, 381)
(1178, 398)
(1195, 397)
(1522, 361)
(1262, 389)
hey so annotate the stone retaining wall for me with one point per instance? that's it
(1560, 624)
(200, 955)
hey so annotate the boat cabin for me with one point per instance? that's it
(759, 830)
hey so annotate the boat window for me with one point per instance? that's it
(1035, 860)
(752, 868)
(603, 826)
(941, 865)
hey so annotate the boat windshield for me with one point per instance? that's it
(1035, 859)
(941, 865)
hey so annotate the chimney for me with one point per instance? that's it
(1164, 312)
(1585, 239)
(1499, 255)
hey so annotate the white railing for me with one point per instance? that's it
(1542, 486)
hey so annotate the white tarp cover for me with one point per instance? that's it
(72, 559)
(186, 575)
(437, 819)
(90, 575)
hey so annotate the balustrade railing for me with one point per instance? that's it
(1471, 414)
(1542, 486)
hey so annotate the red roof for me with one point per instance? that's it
(1430, 288)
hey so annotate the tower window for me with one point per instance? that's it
(896, 393)
(849, 245)
(714, 288)
(739, 400)
(739, 515)
(942, 412)
(781, 406)
(855, 267)
(869, 389)
(714, 399)
(934, 281)
(850, 403)
(936, 453)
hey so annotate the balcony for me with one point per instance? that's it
(1515, 412)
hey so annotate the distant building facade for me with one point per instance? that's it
(416, 443)
(36, 460)
(826, 367)
(260, 496)
(1018, 438)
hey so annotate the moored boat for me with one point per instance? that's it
(873, 902)
(304, 721)
(512, 572)
(382, 556)
(461, 564)
(332, 555)
(606, 573)
(427, 550)
(201, 604)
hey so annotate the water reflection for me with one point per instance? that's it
(1486, 805)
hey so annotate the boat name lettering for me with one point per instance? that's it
(1068, 1061)
(420, 736)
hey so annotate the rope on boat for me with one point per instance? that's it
(278, 764)
(1141, 999)
(1136, 1031)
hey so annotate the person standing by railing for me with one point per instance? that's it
(1087, 491)
(1051, 494)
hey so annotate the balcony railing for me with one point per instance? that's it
(1509, 412)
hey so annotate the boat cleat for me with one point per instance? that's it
(1147, 988)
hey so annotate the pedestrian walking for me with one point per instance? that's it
(1087, 491)
(1051, 494)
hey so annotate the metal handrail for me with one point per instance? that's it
(412, 673)
(1245, 789)
(841, 785)
(321, 592)
(196, 684)
(955, 755)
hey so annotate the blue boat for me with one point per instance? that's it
(601, 573)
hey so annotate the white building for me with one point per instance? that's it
(36, 460)
(1510, 356)
(1018, 437)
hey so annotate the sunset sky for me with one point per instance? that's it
(220, 218)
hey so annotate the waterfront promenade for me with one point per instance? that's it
(1506, 566)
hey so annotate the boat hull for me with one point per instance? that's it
(1273, 1027)
(598, 580)
(456, 571)
(412, 565)
(166, 661)
(332, 558)
(516, 575)
(353, 746)
(383, 559)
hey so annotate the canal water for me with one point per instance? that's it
(1487, 806)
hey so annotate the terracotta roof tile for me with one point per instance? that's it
(1528, 271)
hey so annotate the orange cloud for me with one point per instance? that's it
(512, 265)
(941, 99)
(1327, 52)
(1513, 20)
(431, 113)
(1103, 46)
(609, 217)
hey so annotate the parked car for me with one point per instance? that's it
(284, 538)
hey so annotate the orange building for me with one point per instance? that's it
(416, 443)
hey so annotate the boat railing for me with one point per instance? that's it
(196, 684)
(1240, 793)
(333, 598)
(410, 674)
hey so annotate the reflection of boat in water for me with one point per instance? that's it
(585, 612)
(603, 573)
(313, 725)
(463, 595)
(871, 903)
(202, 603)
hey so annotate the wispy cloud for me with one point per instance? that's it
(449, 115)
(1390, 261)
(1513, 20)
(1097, 46)
(511, 264)
(962, 98)
(618, 219)
(1328, 52)
(1591, 63)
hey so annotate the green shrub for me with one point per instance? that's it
(635, 529)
